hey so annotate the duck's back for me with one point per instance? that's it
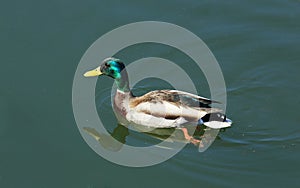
(171, 108)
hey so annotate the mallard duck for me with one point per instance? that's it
(159, 108)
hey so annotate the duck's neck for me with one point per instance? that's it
(122, 97)
(122, 82)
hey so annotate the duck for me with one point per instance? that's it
(158, 108)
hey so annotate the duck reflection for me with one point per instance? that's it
(200, 135)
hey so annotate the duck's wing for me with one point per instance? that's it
(179, 98)
(168, 108)
(191, 99)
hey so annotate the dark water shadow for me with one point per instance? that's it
(201, 136)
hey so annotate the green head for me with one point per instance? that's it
(110, 67)
(114, 68)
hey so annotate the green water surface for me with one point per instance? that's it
(255, 42)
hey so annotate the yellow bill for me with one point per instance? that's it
(95, 72)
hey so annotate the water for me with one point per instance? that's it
(256, 44)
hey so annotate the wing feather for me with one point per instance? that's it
(169, 108)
